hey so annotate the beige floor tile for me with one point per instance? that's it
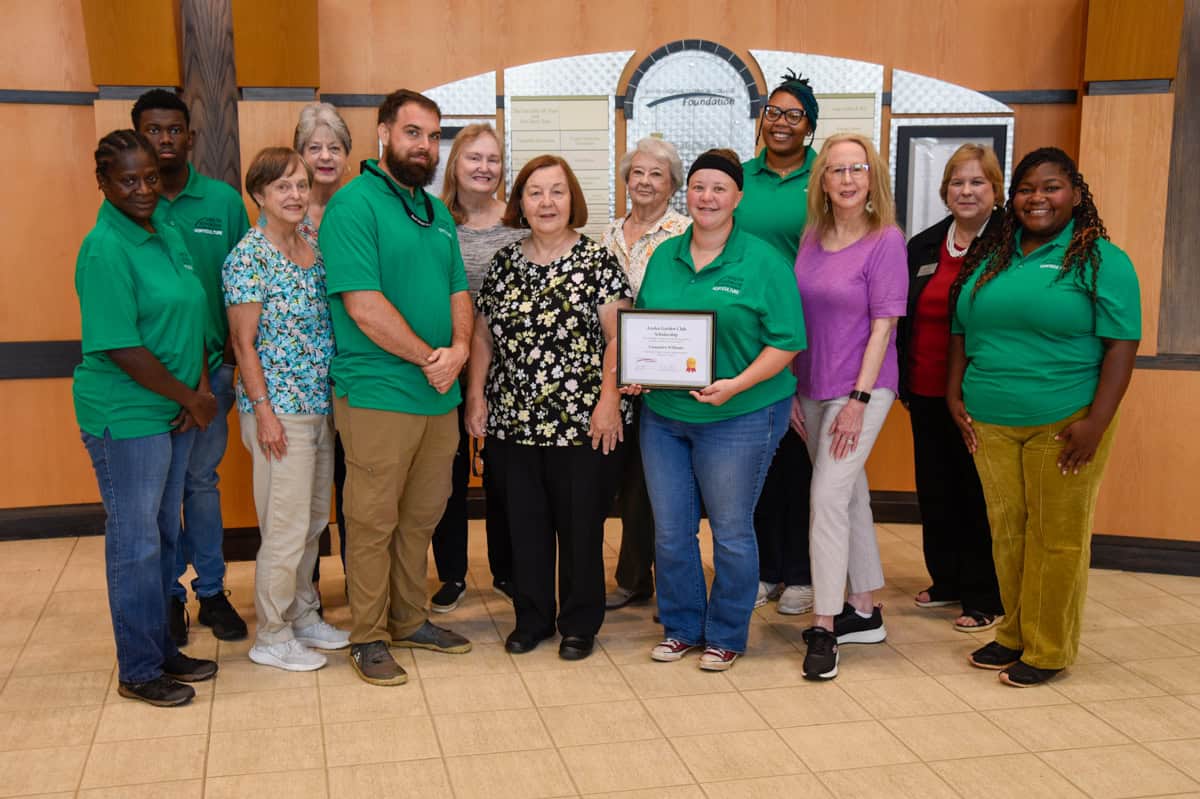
(938, 658)
(1008, 777)
(1184, 755)
(909, 628)
(20, 604)
(1186, 634)
(826, 747)
(576, 687)
(265, 710)
(1173, 675)
(491, 731)
(770, 636)
(906, 696)
(545, 658)
(1109, 772)
(479, 631)
(683, 678)
(296, 784)
(360, 700)
(1096, 682)
(1055, 727)
(632, 650)
(129, 721)
(81, 627)
(1156, 718)
(510, 775)
(737, 755)
(128, 763)
(257, 752)
(908, 781)
(243, 676)
(40, 692)
(469, 694)
(41, 770)
(879, 662)
(8, 658)
(810, 703)
(952, 736)
(74, 603)
(45, 554)
(415, 779)
(14, 632)
(776, 669)
(484, 658)
(55, 727)
(1115, 588)
(791, 785)
(382, 741)
(603, 722)
(1156, 609)
(672, 792)
(684, 715)
(179, 789)
(1172, 583)
(1098, 615)
(624, 766)
(982, 690)
(1135, 643)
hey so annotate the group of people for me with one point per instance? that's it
(379, 332)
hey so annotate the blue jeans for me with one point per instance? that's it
(141, 484)
(725, 463)
(202, 540)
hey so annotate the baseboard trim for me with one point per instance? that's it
(1153, 555)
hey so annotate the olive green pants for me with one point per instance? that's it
(1041, 525)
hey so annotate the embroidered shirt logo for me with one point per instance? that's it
(209, 226)
(729, 285)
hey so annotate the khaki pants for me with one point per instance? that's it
(398, 469)
(1041, 535)
(291, 497)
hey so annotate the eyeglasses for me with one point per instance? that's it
(794, 116)
(848, 171)
(286, 187)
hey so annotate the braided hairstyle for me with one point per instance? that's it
(119, 141)
(1082, 260)
(800, 88)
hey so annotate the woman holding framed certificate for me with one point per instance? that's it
(713, 442)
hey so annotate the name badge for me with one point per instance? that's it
(926, 270)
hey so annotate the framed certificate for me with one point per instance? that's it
(666, 349)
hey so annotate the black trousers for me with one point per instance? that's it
(563, 495)
(450, 536)
(956, 537)
(635, 562)
(782, 515)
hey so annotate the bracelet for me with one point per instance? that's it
(254, 403)
(862, 396)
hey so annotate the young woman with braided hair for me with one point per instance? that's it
(1047, 318)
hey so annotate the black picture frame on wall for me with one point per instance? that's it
(991, 135)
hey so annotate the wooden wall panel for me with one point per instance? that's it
(1117, 173)
(1045, 126)
(265, 124)
(890, 467)
(43, 45)
(1132, 40)
(132, 42)
(47, 464)
(275, 42)
(51, 204)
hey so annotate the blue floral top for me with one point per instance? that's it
(295, 334)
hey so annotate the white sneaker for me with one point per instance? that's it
(766, 591)
(796, 599)
(322, 636)
(289, 656)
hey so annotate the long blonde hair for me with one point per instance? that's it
(450, 182)
(882, 208)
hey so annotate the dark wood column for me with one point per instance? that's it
(210, 87)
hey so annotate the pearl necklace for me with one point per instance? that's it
(952, 248)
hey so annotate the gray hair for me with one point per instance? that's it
(660, 150)
(316, 115)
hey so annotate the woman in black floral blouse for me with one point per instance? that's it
(545, 341)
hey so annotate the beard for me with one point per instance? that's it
(411, 173)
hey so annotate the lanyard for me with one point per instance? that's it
(428, 222)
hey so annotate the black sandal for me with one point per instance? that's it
(983, 621)
(934, 601)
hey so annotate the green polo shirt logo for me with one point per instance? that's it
(209, 226)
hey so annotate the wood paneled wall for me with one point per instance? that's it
(1128, 40)
(275, 43)
(31, 33)
(130, 42)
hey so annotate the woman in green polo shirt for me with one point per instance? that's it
(717, 442)
(140, 393)
(1047, 318)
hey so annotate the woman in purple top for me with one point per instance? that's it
(852, 272)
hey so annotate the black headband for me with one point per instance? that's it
(718, 162)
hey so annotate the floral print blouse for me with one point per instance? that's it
(634, 261)
(547, 343)
(295, 334)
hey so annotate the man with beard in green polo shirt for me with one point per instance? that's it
(402, 321)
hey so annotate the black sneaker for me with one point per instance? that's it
(503, 588)
(821, 659)
(177, 621)
(446, 599)
(185, 669)
(850, 628)
(438, 639)
(994, 656)
(217, 613)
(161, 691)
(1022, 675)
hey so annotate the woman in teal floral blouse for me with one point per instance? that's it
(283, 338)
(545, 342)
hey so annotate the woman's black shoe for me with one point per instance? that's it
(576, 647)
(519, 642)
(161, 691)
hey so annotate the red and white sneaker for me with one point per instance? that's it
(670, 650)
(717, 659)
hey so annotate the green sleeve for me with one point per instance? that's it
(348, 240)
(1118, 296)
(107, 299)
(783, 316)
(458, 272)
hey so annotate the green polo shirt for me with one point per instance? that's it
(753, 291)
(371, 244)
(136, 289)
(1033, 343)
(211, 217)
(773, 208)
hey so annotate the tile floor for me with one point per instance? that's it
(908, 718)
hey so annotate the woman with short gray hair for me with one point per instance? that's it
(323, 139)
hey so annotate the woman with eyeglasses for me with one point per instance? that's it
(774, 208)
(852, 271)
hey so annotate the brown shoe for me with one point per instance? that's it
(375, 664)
(438, 639)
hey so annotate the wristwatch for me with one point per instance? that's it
(862, 396)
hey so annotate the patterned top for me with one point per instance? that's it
(634, 261)
(295, 335)
(548, 346)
